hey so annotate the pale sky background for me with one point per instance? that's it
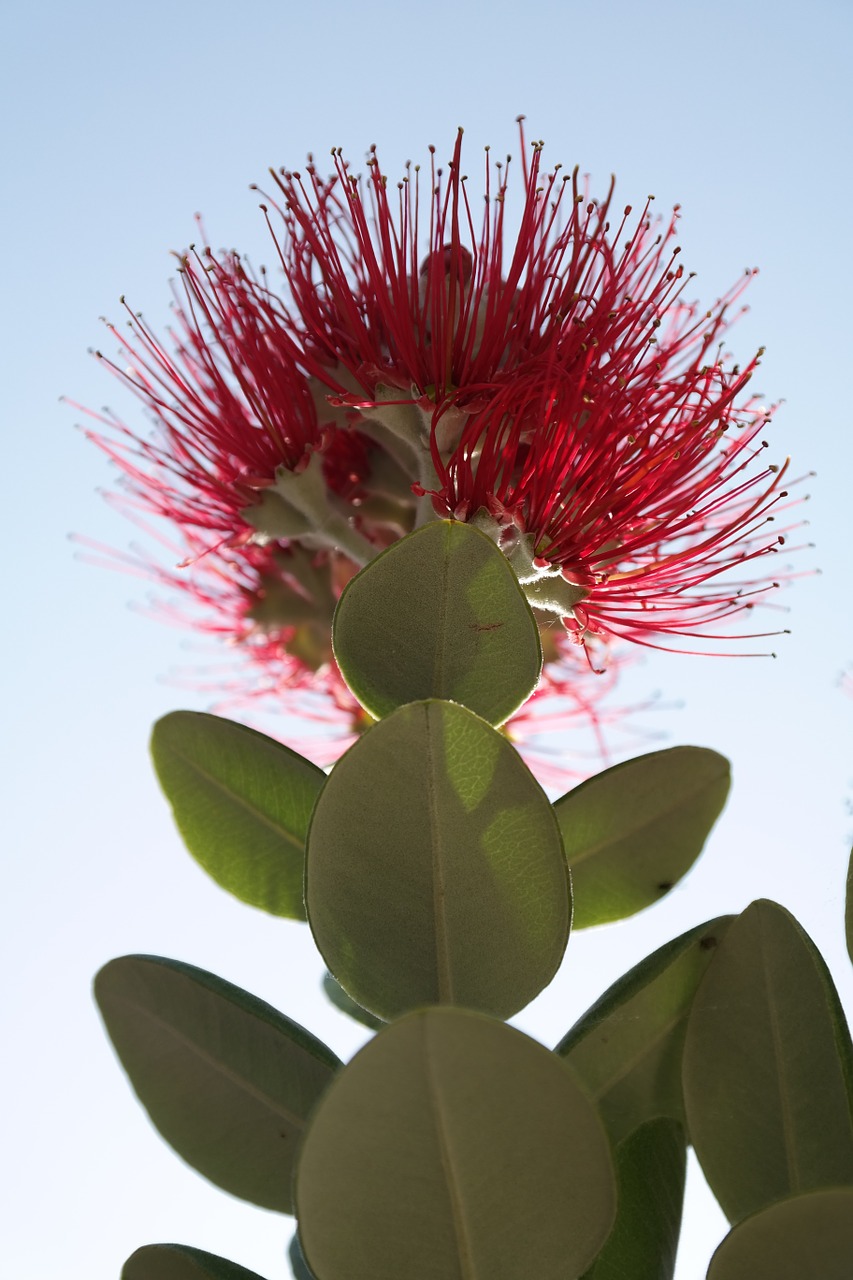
(119, 124)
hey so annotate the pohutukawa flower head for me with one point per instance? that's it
(550, 384)
(237, 420)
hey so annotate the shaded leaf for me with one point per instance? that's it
(440, 614)
(453, 1145)
(627, 1047)
(181, 1262)
(767, 1067)
(298, 1265)
(227, 1080)
(650, 1168)
(848, 913)
(347, 1005)
(806, 1237)
(633, 831)
(241, 802)
(435, 871)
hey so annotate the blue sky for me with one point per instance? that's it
(119, 124)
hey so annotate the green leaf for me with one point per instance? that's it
(767, 1067)
(848, 913)
(634, 830)
(627, 1047)
(241, 803)
(440, 614)
(806, 1237)
(227, 1080)
(347, 1005)
(650, 1168)
(454, 1146)
(435, 871)
(181, 1262)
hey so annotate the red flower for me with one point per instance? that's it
(623, 488)
(554, 388)
(565, 387)
(229, 402)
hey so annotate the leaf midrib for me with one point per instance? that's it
(290, 1117)
(439, 671)
(240, 800)
(589, 851)
(444, 974)
(786, 1113)
(462, 1234)
(634, 1061)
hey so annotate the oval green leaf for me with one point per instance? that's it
(453, 1145)
(633, 831)
(181, 1262)
(627, 1047)
(768, 1067)
(241, 802)
(650, 1169)
(226, 1079)
(806, 1237)
(440, 614)
(435, 872)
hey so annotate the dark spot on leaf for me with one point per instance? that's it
(708, 944)
(664, 886)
